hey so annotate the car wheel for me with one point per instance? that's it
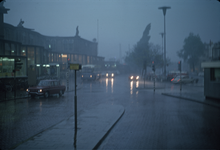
(60, 93)
(46, 94)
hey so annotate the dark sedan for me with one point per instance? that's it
(46, 88)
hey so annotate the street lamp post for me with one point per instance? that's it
(164, 8)
(162, 51)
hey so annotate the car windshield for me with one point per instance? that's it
(44, 83)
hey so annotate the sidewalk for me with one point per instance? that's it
(194, 92)
(93, 125)
(199, 98)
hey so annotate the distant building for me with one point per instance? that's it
(38, 49)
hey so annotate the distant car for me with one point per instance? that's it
(89, 73)
(46, 88)
(184, 79)
(134, 77)
(90, 76)
(110, 75)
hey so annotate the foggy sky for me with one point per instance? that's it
(119, 22)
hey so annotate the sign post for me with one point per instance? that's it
(153, 68)
(179, 68)
(75, 67)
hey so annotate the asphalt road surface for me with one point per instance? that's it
(150, 121)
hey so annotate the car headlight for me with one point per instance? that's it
(90, 76)
(40, 90)
(131, 77)
(82, 76)
(27, 90)
(106, 74)
(112, 74)
(137, 77)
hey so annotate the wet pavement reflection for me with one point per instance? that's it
(149, 115)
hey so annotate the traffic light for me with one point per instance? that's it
(18, 65)
(68, 63)
(179, 65)
(153, 66)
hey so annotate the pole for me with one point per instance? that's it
(180, 80)
(165, 61)
(75, 104)
(162, 52)
(14, 85)
(154, 80)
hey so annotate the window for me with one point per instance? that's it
(7, 49)
(31, 56)
(23, 51)
(215, 74)
(1, 48)
(38, 56)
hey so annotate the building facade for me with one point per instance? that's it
(40, 49)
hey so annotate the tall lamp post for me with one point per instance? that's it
(162, 51)
(164, 8)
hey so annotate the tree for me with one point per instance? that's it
(193, 49)
(144, 52)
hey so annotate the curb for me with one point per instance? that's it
(190, 99)
(103, 138)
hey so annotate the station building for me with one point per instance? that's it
(39, 50)
(36, 51)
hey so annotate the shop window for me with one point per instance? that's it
(22, 72)
(6, 67)
(215, 74)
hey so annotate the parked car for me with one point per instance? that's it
(46, 88)
(184, 79)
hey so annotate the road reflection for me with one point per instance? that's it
(137, 84)
(40, 106)
(112, 83)
(107, 84)
(131, 87)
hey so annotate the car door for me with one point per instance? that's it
(56, 87)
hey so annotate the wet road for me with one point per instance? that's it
(151, 120)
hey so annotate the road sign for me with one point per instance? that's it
(179, 65)
(75, 66)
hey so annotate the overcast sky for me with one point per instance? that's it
(119, 22)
